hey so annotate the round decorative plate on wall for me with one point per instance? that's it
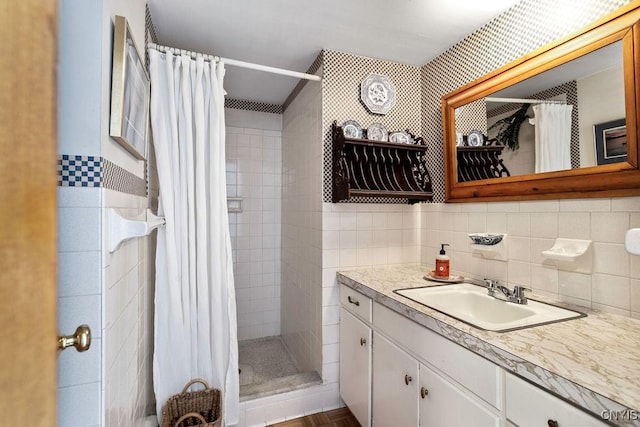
(378, 93)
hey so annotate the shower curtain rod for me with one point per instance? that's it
(524, 101)
(237, 63)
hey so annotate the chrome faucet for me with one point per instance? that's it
(515, 296)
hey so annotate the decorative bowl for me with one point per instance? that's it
(485, 239)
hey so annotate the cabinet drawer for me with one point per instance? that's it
(476, 373)
(528, 405)
(356, 303)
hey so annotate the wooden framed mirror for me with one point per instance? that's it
(591, 79)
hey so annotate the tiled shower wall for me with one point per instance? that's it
(303, 314)
(254, 166)
(302, 229)
(531, 226)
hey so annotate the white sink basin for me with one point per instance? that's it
(471, 304)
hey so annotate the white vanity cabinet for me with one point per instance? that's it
(355, 366)
(355, 353)
(530, 406)
(408, 375)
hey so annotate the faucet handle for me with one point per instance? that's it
(490, 284)
(518, 294)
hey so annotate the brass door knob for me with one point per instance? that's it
(81, 339)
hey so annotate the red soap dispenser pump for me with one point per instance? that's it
(442, 263)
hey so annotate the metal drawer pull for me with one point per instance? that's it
(552, 423)
(407, 379)
(363, 341)
(353, 301)
(423, 392)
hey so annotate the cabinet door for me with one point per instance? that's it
(355, 366)
(530, 406)
(395, 385)
(443, 404)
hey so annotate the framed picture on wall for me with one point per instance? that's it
(130, 91)
(611, 142)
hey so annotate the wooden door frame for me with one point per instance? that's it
(28, 250)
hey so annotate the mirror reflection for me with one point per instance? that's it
(569, 117)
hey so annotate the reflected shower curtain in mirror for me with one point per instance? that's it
(552, 137)
(195, 312)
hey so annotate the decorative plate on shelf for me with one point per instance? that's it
(352, 129)
(431, 275)
(475, 138)
(377, 132)
(400, 138)
(378, 93)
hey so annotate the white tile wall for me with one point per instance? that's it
(254, 172)
(127, 302)
(532, 227)
(301, 295)
(79, 302)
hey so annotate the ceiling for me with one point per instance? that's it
(290, 33)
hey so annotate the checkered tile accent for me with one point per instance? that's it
(150, 35)
(241, 104)
(528, 25)
(342, 75)
(79, 171)
(119, 179)
(94, 171)
(472, 116)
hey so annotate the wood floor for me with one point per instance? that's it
(337, 418)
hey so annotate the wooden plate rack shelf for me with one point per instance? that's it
(367, 168)
(480, 163)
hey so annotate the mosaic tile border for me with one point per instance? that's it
(150, 35)
(79, 171)
(96, 172)
(119, 179)
(241, 104)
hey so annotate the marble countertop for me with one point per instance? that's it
(592, 361)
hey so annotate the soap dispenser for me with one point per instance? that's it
(442, 263)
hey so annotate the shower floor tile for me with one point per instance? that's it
(266, 368)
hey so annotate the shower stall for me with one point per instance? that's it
(279, 305)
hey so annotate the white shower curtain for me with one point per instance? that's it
(552, 137)
(195, 311)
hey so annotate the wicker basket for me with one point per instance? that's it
(195, 408)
